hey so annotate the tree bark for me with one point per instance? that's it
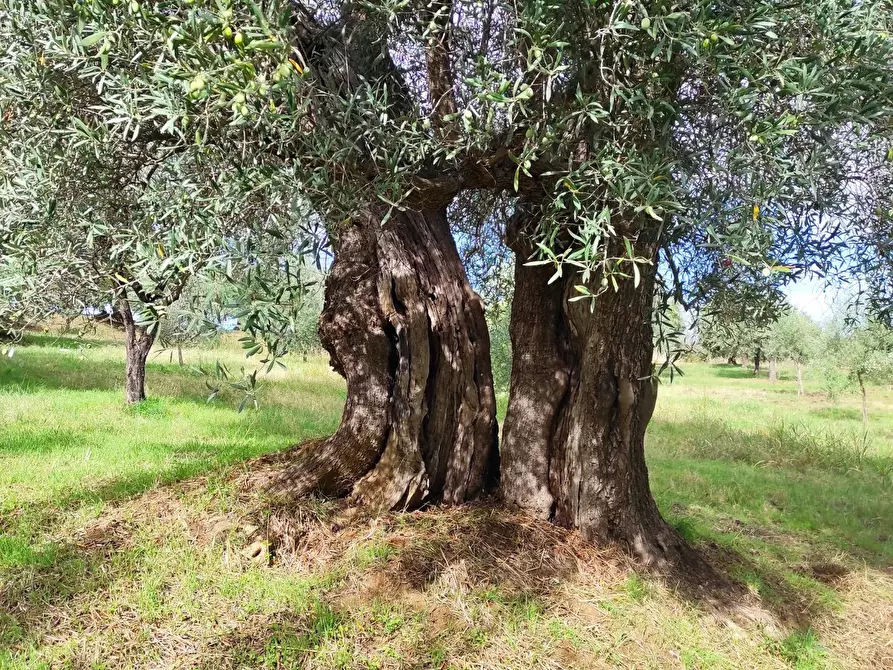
(403, 326)
(756, 361)
(732, 361)
(799, 378)
(773, 370)
(864, 403)
(581, 398)
(138, 341)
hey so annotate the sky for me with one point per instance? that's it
(811, 297)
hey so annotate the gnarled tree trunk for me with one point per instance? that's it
(756, 361)
(138, 342)
(406, 330)
(582, 395)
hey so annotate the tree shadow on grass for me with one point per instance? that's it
(36, 580)
(761, 525)
(838, 413)
(776, 514)
(729, 371)
(45, 369)
(69, 342)
(482, 555)
(498, 556)
(814, 482)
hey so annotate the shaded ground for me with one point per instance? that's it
(205, 574)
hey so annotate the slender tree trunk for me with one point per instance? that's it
(756, 361)
(864, 402)
(773, 370)
(138, 341)
(799, 378)
(403, 326)
(180, 354)
(581, 398)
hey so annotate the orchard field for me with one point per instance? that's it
(540, 199)
(136, 536)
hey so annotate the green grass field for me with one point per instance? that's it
(131, 537)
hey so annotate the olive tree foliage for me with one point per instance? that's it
(749, 126)
(190, 320)
(737, 318)
(21, 302)
(856, 355)
(754, 129)
(728, 341)
(99, 188)
(795, 337)
(275, 295)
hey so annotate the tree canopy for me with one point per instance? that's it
(794, 337)
(624, 150)
(755, 129)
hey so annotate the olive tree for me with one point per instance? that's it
(99, 190)
(644, 148)
(864, 354)
(794, 337)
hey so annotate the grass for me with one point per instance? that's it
(123, 535)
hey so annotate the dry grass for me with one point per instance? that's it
(173, 579)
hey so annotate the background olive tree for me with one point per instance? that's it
(794, 337)
(860, 354)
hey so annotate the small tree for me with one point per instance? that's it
(793, 337)
(736, 320)
(189, 320)
(864, 355)
(102, 191)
